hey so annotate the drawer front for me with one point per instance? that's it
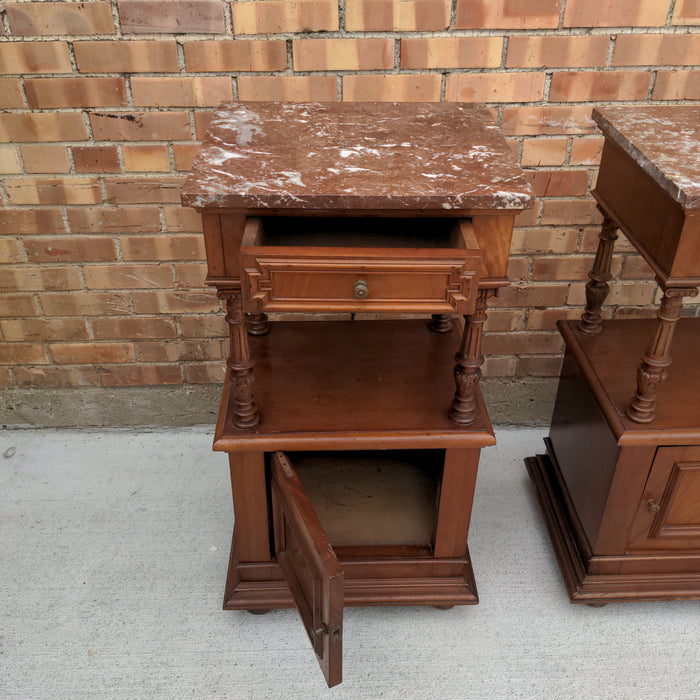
(302, 284)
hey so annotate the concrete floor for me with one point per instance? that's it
(114, 548)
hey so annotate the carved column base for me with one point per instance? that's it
(463, 408)
(441, 323)
(258, 324)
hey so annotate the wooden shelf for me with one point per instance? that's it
(609, 362)
(332, 385)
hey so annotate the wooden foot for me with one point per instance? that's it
(441, 323)
(597, 287)
(240, 363)
(467, 371)
(443, 607)
(657, 356)
(259, 611)
(258, 324)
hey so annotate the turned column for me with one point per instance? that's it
(469, 359)
(258, 324)
(239, 362)
(657, 356)
(441, 323)
(597, 287)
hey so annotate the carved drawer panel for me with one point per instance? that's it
(359, 264)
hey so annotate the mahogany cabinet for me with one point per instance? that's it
(353, 430)
(620, 483)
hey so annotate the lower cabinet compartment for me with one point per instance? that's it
(371, 502)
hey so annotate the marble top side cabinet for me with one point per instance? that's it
(619, 486)
(353, 432)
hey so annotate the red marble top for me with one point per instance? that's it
(355, 155)
(663, 140)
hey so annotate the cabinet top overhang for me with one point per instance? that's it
(663, 140)
(261, 156)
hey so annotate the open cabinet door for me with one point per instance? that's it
(310, 566)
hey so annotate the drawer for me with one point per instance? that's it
(410, 265)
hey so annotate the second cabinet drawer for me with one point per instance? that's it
(359, 264)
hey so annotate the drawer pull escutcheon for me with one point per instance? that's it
(360, 290)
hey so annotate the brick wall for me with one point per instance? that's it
(102, 105)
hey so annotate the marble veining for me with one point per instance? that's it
(664, 141)
(431, 156)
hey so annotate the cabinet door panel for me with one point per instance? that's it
(310, 566)
(668, 516)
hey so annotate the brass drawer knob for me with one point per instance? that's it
(653, 506)
(360, 290)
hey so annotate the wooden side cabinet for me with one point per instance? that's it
(353, 441)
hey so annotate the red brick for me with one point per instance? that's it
(61, 249)
(546, 319)
(90, 353)
(181, 92)
(391, 88)
(146, 158)
(586, 151)
(564, 212)
(657, 49)
(17, 305)
(559, 183)
(184, 155)
(498, 366)
(215, 56)
(210, 373)
(635, 267)
(279, 16)
(10, 94)
(599, 86)
(44, 329)
(85, 303)
(520, 296)
(164, 247)
(202, 120)
(557, 51)
(452, 52)
(175, 302)
(191, 275)
(48, 18)
(686, 12)
(123, 276)
(204, 326)
(20, 58)
(521, 343)
(55, 376)
(27, 221)
(507, 14)
(70, 190)
(617, 13)
(528, 217)
(547, 120)
(120, 328)
(179, 350)
(42, 126)
(396, 15)
(180, 219)
(549, 151)
(589, 241)
(677, 85)
(10, 251)
(343, 54)
(144, 190)
(22, 354)
(43, 93)
(141, 126)
(45, 159)
(114, 220)
(495, 87)
(504, 320)
(140, 375)
(557, 269)
(539, 366)
(167, 17)
(126, 56)
(96, 159)
(25, 278)
(10, 162)
(287, 88)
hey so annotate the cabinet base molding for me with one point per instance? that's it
(592, 579)
(429, 581)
